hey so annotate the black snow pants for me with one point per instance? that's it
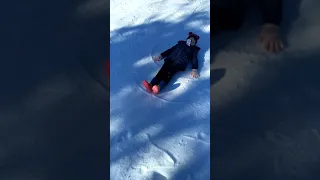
(165, 74)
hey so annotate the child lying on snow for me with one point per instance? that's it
(175, 59)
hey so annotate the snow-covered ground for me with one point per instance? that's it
(265, 107)
(165, 136)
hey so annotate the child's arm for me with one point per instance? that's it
(167, 52)
(271, 11)
(194, 61)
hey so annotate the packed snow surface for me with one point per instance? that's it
(165, 136)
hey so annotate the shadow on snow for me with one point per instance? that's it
(258, 135)
(139, 111)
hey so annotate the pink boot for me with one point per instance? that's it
(155, 89)
(147, 86)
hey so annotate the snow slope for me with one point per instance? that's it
(163, 137)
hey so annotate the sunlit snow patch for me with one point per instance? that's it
(142, 62)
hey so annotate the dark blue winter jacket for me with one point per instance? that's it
(181, 54)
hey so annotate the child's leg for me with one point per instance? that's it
(165, 79)
(158, 78)
(160, 75)
(168, 77)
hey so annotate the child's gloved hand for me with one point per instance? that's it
(157, 58)
(194, 73)
(269, 38)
